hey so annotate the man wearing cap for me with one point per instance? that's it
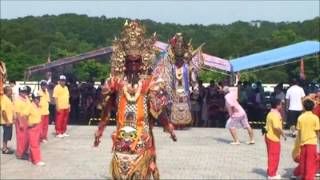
(22, 110)
(61, 96)
(44, 110)
(237, 117)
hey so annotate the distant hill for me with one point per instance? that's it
(26, 41)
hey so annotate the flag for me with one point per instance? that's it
(237, 78)
(302, 75)
(49, 73)
(49, 57)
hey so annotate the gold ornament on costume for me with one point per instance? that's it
(132, 93)
(179, 49)
(132, 46)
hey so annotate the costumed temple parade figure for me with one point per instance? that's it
(185, 65)
(139, 98)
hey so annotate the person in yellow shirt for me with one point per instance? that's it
(272, 137)
(7, 117)
(308, 127)
(44, 109)
(61, 96)
(22, 110)
(34, 130)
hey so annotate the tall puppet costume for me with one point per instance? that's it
(132, 89)
(185, 65)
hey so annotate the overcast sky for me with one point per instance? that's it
(182, 12)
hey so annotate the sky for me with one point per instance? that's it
(180, 12)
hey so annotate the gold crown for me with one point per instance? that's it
(132, 44)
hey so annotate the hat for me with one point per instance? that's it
(35, 95)
(43, 82)
(63, 77)
(23, 89)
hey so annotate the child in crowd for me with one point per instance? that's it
(308, 127)
(272, 137)
(34, 130)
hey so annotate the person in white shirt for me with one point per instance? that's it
(15, 89)
(294, 98)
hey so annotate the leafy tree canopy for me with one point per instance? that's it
(26, 42)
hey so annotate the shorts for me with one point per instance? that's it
(7, 132)
(238, 122)
(292, 118)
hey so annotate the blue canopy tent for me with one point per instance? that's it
(274, 57)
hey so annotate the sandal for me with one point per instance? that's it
(7, 151)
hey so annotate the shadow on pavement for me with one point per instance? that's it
(222, 140)
(260, 171)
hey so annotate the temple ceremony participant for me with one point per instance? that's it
(308, 127)
(294, 98)
(61, 96)
(272, 137)
(7, 116)
(237, 117)
(44, 109)
(34, 130)
(22, 109)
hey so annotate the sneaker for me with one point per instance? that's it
(59, 135)
(293, 177)
(44, 141)
(40, 163)
(24, 157)
(235, 143)
(274, 177)
(7, 151)
(65, 135)
(318, 174)
(250, 142)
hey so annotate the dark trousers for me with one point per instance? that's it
(7, 132)
(52, 113)
(74, 111)
(292, 118)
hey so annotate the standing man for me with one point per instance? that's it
(7, 115)
(44, 109)
(22, 109)
(237, 117)
(61, 96)
(308, 127)
(273, 133)
(294, 98)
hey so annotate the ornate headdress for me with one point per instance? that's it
(179, 48)
(132, 49)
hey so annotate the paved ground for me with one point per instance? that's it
(199, 154)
